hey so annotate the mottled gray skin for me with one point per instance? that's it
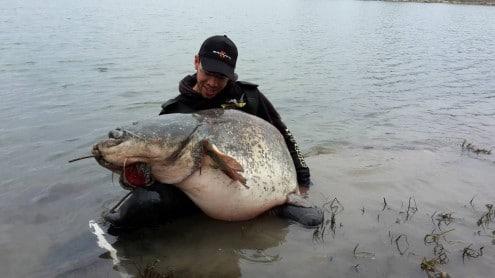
(173, 146)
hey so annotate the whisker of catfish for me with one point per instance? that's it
(81, 158)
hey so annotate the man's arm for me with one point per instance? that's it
(268, 112)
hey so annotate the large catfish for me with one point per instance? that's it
(234, 166)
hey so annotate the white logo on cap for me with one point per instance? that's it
(222, 54)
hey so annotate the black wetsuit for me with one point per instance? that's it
(161, 202)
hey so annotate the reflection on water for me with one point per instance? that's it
(201, 247)
(379, 95)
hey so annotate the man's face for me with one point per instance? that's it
(208, 84)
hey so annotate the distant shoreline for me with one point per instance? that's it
(465, 2)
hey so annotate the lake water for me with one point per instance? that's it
(379, 95)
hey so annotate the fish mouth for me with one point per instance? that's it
(137, 175)
(133, 175)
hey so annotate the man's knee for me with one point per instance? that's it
(152, 206)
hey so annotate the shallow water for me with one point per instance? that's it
(379, 95)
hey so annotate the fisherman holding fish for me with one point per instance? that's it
(214, 85)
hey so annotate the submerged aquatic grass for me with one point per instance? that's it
(466, 146)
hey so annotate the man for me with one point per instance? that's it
(214, 85)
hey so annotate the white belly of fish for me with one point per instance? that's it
(220, 197)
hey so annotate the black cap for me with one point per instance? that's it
(218, 54)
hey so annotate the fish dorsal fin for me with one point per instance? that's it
(226, 163)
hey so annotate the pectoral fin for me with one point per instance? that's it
(226, 163)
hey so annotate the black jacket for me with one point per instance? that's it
(240, 95)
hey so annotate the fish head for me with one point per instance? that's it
(163, 149)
